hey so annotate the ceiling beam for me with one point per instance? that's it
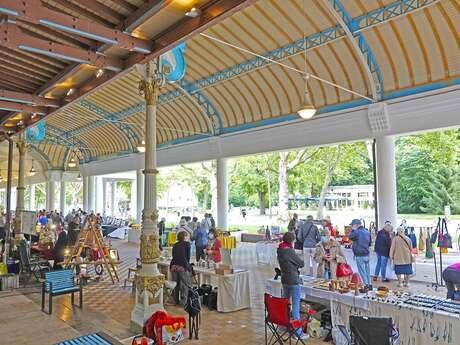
(85, 13)
(26, 98)
(146, 11)
(21, 107)
(101, 10)
(33, 12)
(13, 38)
(185, 29)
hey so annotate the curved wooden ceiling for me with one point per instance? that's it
(412, 50)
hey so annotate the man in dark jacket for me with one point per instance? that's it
(309, 235)
(382, 249)
(361, 238)
(290, 264)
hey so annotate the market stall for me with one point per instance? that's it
(267, 255)
(417, 319)
(233, 292)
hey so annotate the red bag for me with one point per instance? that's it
(344, 270)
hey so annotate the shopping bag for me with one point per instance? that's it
(3, 268)
(445, 240)
(344, 270)
(172, 334)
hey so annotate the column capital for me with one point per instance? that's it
(22, 148)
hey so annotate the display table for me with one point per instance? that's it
(267, 253)
(415, 326)
(233, 289)
(134, 235)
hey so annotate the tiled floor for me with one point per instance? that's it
(107, 308)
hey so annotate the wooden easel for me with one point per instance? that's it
(90, 237)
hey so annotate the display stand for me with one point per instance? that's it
(90, 237)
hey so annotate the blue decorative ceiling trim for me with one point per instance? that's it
(363, 46)
(357, 24)
(132, 136)
(56, 136)
(40, 152)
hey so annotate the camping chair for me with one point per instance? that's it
(279, 322)
(371, 330)
(32, 267)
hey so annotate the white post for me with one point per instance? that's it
(91, 191)
(113, 188)
(149, 281)
(99, 195)
(386, 180)
(21, 187)
(50, 194)
(62, 198)
(32, 197)
(85, 193)
(133, 200)
(222, 194)
(139, 194)
(104, 197)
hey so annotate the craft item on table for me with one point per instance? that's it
(321, 284)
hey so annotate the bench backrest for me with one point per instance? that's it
(59, 280)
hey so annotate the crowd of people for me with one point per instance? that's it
(203, 235)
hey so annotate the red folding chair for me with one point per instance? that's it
(279, 322)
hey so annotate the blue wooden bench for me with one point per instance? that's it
(59, 283)
(99, 338)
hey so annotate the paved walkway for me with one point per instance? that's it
(107, 308)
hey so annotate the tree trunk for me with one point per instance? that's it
(283, 194)
(262, 203)
(332, 163)
(205, 199)
(213, 183)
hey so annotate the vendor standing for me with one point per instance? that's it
(451, 276)
(382, 249)
(361, 242)
(214, 246)
(290, 264)
(328, 255)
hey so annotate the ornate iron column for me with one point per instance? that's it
(21, 175)
(149, 280)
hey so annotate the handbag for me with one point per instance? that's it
(445, 240)
(344, 270)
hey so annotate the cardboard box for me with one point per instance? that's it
(224, 271)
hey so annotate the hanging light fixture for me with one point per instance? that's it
(79, 177)
(307, 110)
(99, 73)
(141, 146)
(72, 163)
(32, 170)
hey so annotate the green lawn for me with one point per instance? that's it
(426, 216)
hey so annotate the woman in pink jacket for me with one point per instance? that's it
(451, 276)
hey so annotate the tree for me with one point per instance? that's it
(444, 189)
(287, 162)
(331, 158)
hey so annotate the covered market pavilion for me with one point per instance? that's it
(92, 88)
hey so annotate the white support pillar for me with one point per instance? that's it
(139, 194)
(62, 198)
(21, 188)
(50, 195)
(99, 195)
(386, 180)
(222, 194)
(149, 280)
(85, 193)
(104, 197)
(113, 195)
(91, 192)
(32, 197)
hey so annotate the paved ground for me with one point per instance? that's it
(107, 308)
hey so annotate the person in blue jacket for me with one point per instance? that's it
(200, 236)
(361, 239)
(382, 249)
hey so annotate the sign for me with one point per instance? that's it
(36, 133)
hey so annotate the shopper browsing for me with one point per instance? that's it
(214, 246)
(401, 255)
(451, 276)
(361, 239)
(180, 267)
(290, 264)
(309, 235)
(382, 249)
(200, 236)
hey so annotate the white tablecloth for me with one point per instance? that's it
(372, 263)
(233, 292)
(267, 253)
